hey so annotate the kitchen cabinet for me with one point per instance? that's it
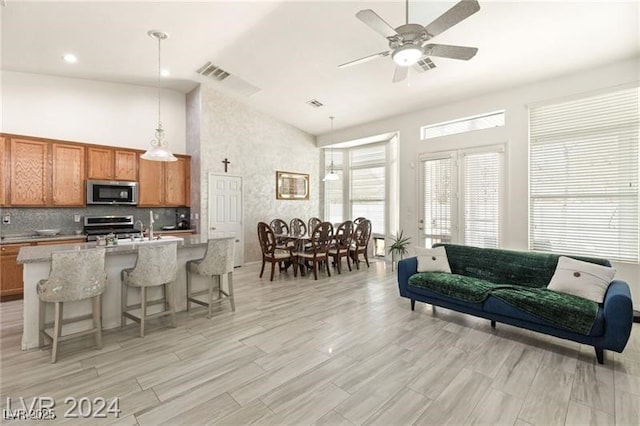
(10, 270)
(11, 283)
(104, 163)
(3, 178)
(126, 167)
(29, 181)
(164, 184)
(177, 182)
(67, 188)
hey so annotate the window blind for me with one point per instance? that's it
(481, 199)
(368, 195)
(584, 176)
(437, 187)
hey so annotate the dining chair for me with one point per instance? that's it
(360, 243)
(341, 244)
(313, 222)
(217, 262)
(358, 220)
(270, 252)
(281, 230)
(321, 239)
(156, 265)
(74, 276)
(297, 227)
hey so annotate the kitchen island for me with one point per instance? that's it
(37, 264)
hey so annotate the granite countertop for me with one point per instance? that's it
(27, 238)
(30, 237)
(32, 254)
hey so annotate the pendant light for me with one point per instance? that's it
(159, 150)
(332, 175)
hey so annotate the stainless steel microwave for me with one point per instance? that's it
(112, 192)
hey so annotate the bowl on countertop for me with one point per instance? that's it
(47, 232)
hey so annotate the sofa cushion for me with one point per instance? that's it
(564, 310)
(530, 269)
(581, 279)
(495, 305)
(432, 260)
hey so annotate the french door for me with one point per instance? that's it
(461, 197)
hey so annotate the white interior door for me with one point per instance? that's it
(225, 211)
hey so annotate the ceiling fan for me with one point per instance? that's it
(408, 44)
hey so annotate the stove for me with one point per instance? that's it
(121, 226)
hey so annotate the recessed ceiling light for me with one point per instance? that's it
(70, 58)
(165, 73)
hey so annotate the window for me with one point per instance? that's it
(333, 190)
(462, 125)
(361, 190)
(584, 176)
(462, 197)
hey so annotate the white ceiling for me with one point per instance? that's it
(291, 49)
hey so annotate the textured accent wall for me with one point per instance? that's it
(256, 145)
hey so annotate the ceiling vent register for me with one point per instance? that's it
(424, 64)
(213, 71)
(315, 103)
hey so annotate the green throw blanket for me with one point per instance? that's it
(564, 310)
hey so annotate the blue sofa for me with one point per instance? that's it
(513, 277)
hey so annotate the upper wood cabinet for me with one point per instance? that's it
(126, 167)
(67, 188)
(29, 177)
(165, 183)
(151, 184)
(5, 167)
(37, 172)
(177, 182)
(112, 164)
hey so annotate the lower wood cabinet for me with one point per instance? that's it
(11, 283)
(10, 270)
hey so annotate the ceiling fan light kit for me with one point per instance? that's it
(408, 42)
(407, 55)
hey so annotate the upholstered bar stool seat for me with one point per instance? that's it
(216, 263)
(156, 265)
(75, 275)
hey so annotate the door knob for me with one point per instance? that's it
(213, 228)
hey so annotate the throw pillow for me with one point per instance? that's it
(432, 260)
(582, 279)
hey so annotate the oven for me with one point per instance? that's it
(121, 226)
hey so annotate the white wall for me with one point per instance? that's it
(256, 145)
(515, 134)
(90, 111)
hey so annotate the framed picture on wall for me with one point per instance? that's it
(292, 186)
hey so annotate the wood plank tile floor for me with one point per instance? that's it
(344, 350)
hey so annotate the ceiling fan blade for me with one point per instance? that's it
(376, 23)
(400, 73)
(447, 51)
(451, 17)
(365, 59)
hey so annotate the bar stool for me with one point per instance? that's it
(75, 275)
(156, 265)
(217, 261)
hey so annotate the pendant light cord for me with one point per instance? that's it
(159, 74)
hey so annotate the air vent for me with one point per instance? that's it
(213, 71)
(232, 82)
(315, 103)
(424, 64)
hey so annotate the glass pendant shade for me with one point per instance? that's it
(159, 150)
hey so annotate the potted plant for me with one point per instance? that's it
(399, 244)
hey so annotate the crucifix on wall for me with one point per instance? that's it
(226, 163)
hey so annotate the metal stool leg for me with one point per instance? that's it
(57, 332)
(143, 309)
(97, 321)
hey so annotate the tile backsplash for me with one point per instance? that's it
(26, 220)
